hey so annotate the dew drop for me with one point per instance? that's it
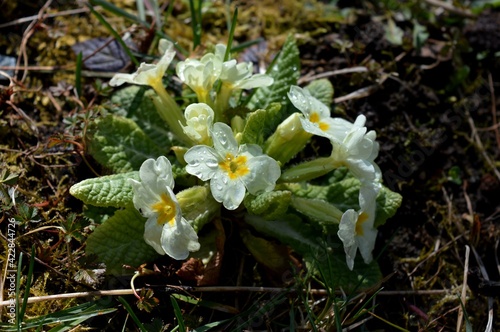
(212, 163)
(218, 187)
(224, 180)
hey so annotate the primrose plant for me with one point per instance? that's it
(230, 152)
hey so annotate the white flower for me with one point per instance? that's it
(238, 76)
(356, 230)
(165, 230)
(149, 74)
(316, 120)
(199, 120)
(355, 148)
(200, 75)
(232, 169)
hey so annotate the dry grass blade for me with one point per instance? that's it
(464, 289)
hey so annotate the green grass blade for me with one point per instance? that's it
(196, 22)
(231, 34)
(115, 34)
(178, 314)
(140, 10)
(29, 278)
(65, 318)
(120, 12)
(468, 325)
(132, 314)
(240, 47)
(19, 320)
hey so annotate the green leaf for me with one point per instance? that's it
(136, 103)
(285, 71)
(393, 33)
(269, 205)
(111, 190)
(322, 90)
(119, 143)
(272, 255)
(420, 35)
(317, 209)
(343, 193)
(260, 124)
(388, 203)
(323, 253)
(120, 241)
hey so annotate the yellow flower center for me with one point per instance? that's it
(166, 210)
(363, 217)
(314, 118)
(235, 167)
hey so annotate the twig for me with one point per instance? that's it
(484, 273)
(119, 292)
(26, 36)
(34, 17)
(449, 7)
(464, 290)
(479, 144)
(359, 69)
(361, 93)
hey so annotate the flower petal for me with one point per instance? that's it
(347, 234)
(264, 172)
(224, 141)
(152, 234)
(178, 239)
(203, 162)
(226, 191)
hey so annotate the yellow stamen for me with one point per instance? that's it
(166, 210)
(235, 167)
(314, 118)
(363, 217)
(323, 126)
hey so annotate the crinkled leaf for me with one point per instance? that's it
(285, 71)
(111, 190)
(317, 209)
(322, 90)
(323, 253)
(272, 255)
(343, 193)
(135, 102)
(119, 143)
(260, 124)
(269, 205)
(388, 203)
(120, 240)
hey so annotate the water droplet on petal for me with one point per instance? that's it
(218, 186)
(211, 163)
(224, 180)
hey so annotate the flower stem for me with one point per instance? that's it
(170, 112)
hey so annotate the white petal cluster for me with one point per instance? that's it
(231, 168)
(356, 230)
(199, 121)
(165, 230)
(238, 76)
(356, 148)
(149, 74)
(316, 118)
(201, 75)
